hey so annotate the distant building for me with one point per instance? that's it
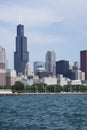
(21, 55)
(76, 66)
(75, 82)
(2, 58)
(2, 55)
(62, 80)
(62, 67)
(37, 64)
(26, 81)
(2, 77)
(84, 82)
(10, 77)
(65, 81)
(83, 76)
(83, 62)
(2, 65)
(28, 70)
(41, 72)
(51, 62)
(77, 74)
(49, 80)
(19, 77)
(36, 79)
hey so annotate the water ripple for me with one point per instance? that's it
(43, 112)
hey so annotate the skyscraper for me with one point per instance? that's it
(83, 62)
(62, 67)
(28, 70)
(2, 58)
(21, 55)
(2, 55)
(51, 62)
(2, 66)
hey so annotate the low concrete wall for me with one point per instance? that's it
(7, 91)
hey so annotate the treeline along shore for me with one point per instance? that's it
(19, 87)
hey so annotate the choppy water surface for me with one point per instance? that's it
(43, 112)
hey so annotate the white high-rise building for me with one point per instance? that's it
(51, 62)
(28, 70)
(77, 74)
(2, 55)
(2, 58)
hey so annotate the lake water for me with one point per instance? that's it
(43, 112)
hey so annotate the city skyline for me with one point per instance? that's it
(57, 25)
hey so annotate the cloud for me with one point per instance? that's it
(47, 12)
(30, 16)
(48, 24)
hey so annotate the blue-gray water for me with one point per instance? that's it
(43, 112)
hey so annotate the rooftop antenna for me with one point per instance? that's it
(20, 19)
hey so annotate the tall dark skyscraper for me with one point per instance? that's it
(21, 55)
(83, 62)
(62, 67)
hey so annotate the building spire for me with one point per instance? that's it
(20, 19)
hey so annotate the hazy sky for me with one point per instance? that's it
(59, 25)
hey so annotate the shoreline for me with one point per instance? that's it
(9, 94)
(15, 94)
(54, 93)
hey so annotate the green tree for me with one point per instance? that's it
(66, 88)
(18, 87)
(58, 88)
(28, 88)
(50, 88)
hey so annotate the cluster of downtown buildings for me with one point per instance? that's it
(50, 72)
